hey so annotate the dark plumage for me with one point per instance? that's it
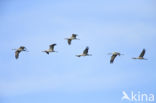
(52, 46)
(85, 53)
(141, 56)
(51, 49)
(20, 49)
(114, 55)
(73, 37)
(69, 41)
(142, 53)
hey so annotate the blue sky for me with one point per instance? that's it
(126, 26)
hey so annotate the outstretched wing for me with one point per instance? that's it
(22, 47)
(86, 50)
(74, 35)
(142, 53)
(52, 46)
(112, 58)
(17, 54)
(69, 41)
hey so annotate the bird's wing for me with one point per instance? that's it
(69, 41)
(52, 46)
(86, 50)
(112, 58)
(17, 54)
(22, 47)
(142, 53)
(74, 35)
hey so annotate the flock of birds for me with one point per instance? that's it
(85, 52)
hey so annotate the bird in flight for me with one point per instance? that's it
(114, 55)
(141, 56)
(85, 53)
(73, 37)
(19, 50)
(51, 49)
